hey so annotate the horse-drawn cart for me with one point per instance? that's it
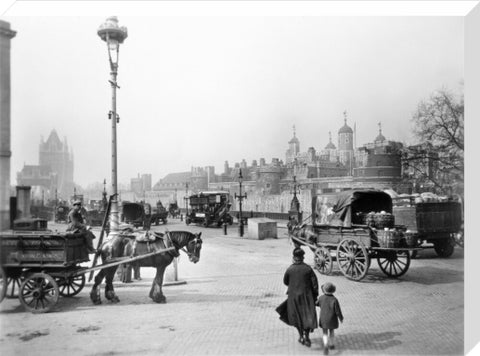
(46, 265)
(353, 228)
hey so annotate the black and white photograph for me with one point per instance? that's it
(238, 178)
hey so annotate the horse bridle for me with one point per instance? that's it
(189, 254)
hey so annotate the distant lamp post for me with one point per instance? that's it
(186, 200)
(294, 212)
(113, 35)
(240, 197)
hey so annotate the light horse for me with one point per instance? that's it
(117, 246)
(304, 233)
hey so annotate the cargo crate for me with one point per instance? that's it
(36, 249)
(439, 217)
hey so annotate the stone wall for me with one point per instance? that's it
(277, 203)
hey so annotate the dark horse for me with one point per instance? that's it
(117, 246)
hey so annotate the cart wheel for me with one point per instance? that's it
(70, 286)
(323, 260)
(13, 286)
(394, 264)
(444, 247)
(3, 284)
(39, 293)
(352, 259)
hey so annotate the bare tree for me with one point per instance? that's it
(439, 128)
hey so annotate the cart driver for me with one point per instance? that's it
(76, 223)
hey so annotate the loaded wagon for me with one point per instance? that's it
(43, 265)
(436, 223)
(354, 227)
(142, 214)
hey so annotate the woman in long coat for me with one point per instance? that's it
(302, 293)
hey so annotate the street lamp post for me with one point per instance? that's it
(186, 201)
(113, 35)
(240, 197)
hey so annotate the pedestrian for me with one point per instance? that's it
(77, 223)
(330, 313)
(299, 308)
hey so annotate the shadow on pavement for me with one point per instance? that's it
(367, 341)
(433, 275)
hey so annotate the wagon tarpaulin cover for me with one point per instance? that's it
(338, 210)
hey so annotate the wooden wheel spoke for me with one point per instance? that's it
(401, 262)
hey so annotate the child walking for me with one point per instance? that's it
(330, 313)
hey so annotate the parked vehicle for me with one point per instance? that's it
(142, 214)
(159, 213)
(209, 208)
(353, 227)
(431, 222)
(173, 210)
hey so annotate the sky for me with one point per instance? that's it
(202, 90)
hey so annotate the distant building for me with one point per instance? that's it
(379, 162)
(141, 184)
(54, 173)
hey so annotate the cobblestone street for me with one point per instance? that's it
(227, 307)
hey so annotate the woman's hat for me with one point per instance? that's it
(328, 288)
(298, 252)
(77, 202)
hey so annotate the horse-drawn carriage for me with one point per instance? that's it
(173, 210)
(44, 265)
(61, 213)
(353, 228)
(142, 214)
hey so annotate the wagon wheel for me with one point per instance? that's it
(70, 286)
(3, 284)
(444, 247)
(352, 259)
(394, 264)
(323, 260)
(39, 293)
(13, 286)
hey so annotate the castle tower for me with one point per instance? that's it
(380, 138)
(6, 34)
(55, 154)
(329, 153)
(293, 148)
(345, 144)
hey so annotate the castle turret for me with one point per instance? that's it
(293, 148)
(345, 145)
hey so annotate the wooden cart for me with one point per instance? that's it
(353, 228)
(43, 265)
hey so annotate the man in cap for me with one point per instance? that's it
(76, 223)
